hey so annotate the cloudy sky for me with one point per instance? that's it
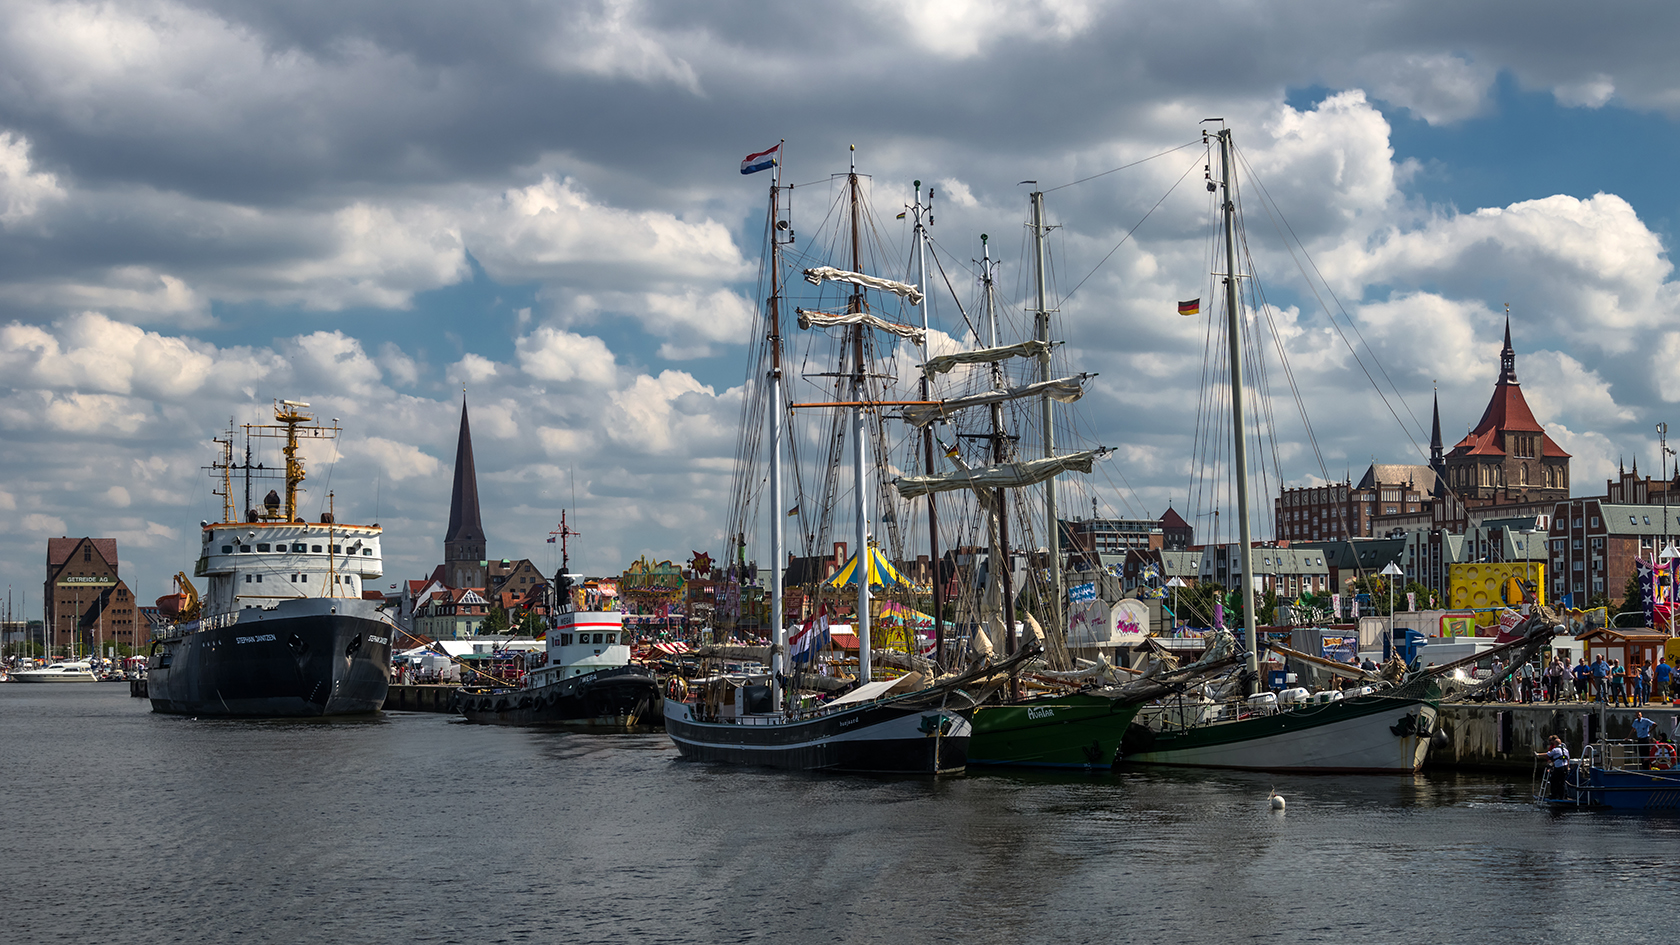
(207, 206)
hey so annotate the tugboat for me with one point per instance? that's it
(584, 677)
(282, 629)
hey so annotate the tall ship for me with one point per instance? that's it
(282, 628)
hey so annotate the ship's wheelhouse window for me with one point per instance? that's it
(245, 549)
(298, 547)
(262, 547)
(247, 579)
(613, 638)
(335, 549)
(368, 552)
(565, 639)
(294, 579)
(316, 549)
(259, 579)
(227, 549)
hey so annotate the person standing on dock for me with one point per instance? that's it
(1583, 679)
(1527, 676)
(1555, 673)
(1642, 727)
(1618, 683)
(1600, 678)
(1659, 680)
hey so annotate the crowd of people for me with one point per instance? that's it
(1601, 681)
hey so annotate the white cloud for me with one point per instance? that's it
(1439, 88)
(398, 460)
(553, 354)
(1590, 92)
(22, 188)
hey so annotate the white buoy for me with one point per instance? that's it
(1277, 800)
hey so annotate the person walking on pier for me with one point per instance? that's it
(1660, 676)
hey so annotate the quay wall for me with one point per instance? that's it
(1505, 735)
(415, 698)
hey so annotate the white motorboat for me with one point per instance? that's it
(78, 671)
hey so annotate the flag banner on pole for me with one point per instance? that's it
(762, 161)
(1192, 307)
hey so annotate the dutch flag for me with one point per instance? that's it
(811, 638)
(762, 161)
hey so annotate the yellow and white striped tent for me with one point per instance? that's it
(881, 571)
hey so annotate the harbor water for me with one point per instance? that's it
(125, 826)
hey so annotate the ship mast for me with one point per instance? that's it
(1233, 331)
(1001, 568)
(778, 555)
(854, 306)
(927, 432)
(1041, 321)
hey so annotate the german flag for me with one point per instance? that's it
(1192, 307)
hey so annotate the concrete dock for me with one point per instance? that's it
(1505, 735)
(413, 698)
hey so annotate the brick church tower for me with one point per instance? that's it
(1507, 457)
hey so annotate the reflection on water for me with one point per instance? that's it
(134, 827)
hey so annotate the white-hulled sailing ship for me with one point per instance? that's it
(282, 627)
(1376, 729)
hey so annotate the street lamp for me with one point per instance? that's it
(1176, 583)
(1391, 571)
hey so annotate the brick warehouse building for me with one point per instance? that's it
(87, 602)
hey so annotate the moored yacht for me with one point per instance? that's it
(75, 671)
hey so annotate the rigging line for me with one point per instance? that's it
(1190, 144)
(1267, 199)
(1133, 230)
(953, 290)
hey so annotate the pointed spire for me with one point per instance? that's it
(464, 523)
(1435, 446)
(1507, 355)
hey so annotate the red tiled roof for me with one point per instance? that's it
(59, 550)
(1506, 412)
(1173, 520)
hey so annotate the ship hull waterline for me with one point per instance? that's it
(868, 739)
(620, 699)
(1364, 735)
(314, 661)
(1078, 731)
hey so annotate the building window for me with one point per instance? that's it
(1595, 521)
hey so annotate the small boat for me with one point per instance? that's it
(77, 671)
(1618, 775)
(585, 679)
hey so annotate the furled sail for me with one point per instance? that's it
(819, 274)
(1004, 475)
(809, 319)
(1063, 389)
(945, 362)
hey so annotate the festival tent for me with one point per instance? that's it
(881, 571)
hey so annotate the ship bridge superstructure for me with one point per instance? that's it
(274, 555)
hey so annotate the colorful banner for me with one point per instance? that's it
(1341, 649)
